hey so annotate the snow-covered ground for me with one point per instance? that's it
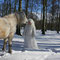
(49, 48)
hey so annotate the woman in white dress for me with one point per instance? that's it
(29, 35)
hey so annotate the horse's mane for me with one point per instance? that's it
(13, 14)
(9, 15)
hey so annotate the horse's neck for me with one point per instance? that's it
(11, 18)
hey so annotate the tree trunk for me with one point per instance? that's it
(43, 23)
(26, 7)
(6, 8)
(9, 6)
(46, 17)
(31, 6)
(20, 6)
(58, 21)
(19, 26)
(15, 6)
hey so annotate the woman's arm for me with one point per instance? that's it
(23, 33)
(33, 32)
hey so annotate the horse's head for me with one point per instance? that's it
(21, 18)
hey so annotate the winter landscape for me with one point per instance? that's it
(31, 29)
(49, 48)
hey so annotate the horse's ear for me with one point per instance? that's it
(15, 13)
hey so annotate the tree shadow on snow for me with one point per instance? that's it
(50, 46)
(16, 45)
(1, 44)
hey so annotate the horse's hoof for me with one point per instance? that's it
(3, 49)
(20, 35)
(10, 52)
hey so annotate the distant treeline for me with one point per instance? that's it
(38, 6)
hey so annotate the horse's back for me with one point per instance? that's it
(4, 28)
(12, 22)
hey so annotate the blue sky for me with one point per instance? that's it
(23, 4)
(1, 1)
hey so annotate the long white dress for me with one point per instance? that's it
(29, 37)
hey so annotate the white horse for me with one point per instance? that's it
(8, 25)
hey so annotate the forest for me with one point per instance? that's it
(45, 13)
(20, 41)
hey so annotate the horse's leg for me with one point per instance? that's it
(10, 43)
(4, 46)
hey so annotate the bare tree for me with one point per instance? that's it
(15, 5)
(52, 11)
(26, 7)
(43, 23)
(20, 10)
(46, 15)
(58, 15)
(20, 5)
(9, 6)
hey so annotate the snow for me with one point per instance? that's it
(49, 48)
(27, 55)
